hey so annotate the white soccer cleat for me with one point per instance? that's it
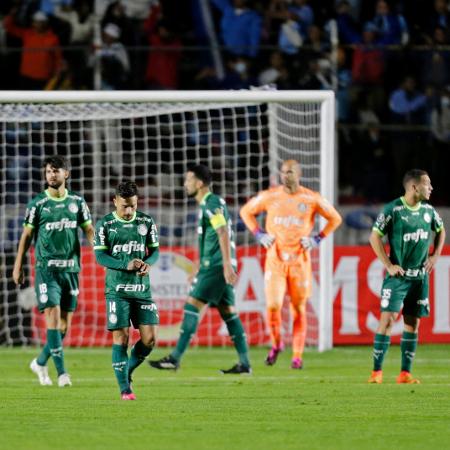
(64, 380)
(41, 372)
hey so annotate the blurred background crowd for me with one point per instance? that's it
(387, 61)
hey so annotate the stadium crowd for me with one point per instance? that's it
(390, 67)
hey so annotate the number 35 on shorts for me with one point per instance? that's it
(385, 297)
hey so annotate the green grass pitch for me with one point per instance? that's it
(328, 405)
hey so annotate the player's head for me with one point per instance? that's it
(290, 173)
(56, 171)
(418, 182)
(197, 177)
(126, 199)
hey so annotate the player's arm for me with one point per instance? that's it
(249, 212)
(224, 242)
(152, 251)
(334, 220)
(24, 245)
(439, 241)
(376, 241)
(89, 232)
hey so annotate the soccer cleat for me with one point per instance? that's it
(406, 378)
(166, 363)
(297, 363)
(41, 372)
(64, 380)
(376, 377)
(238, 369)
(127, 395)
(273, 355)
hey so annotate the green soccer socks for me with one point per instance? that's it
(380, 348)
(408, 346)
(120, 366)
(45, 353)
(138, 354)
(238, 336)
(54, 343)
(188, 329)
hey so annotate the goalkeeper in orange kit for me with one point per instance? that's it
(291, 210)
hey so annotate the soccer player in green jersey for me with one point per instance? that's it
(409, 223)
(213, 283)
(52, 218)
(126, 243)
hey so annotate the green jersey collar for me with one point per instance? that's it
(205, 197)
(123, 220)
(57, 199)
(411, 208)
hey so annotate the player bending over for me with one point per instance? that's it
(291, 210)
(409, 224)
(52, 218)
(213, 284)
(126, 243)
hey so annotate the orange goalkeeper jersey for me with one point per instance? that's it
(289, 217)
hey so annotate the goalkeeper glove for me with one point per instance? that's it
(266, 240)
(309, 243)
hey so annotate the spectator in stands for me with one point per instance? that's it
(113, 59)
(344, 83)
(368, 68)
(348, 29)
(439, 18)
(163, 58)
(436, 60)
(240, 27)
(368, 60)
(407, 104)
(115, 14)
(440, 158)
(81, 21)
(317, 77)
(277, 73)
(392, 29)
(373, 164)
(41, 55)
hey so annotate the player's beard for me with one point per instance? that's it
(191, 194)
(55, 184)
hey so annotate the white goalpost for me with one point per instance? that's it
(152, 137)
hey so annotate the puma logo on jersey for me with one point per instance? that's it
(113, 230)
(46, 209)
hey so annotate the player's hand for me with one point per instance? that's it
(266, 240)
(308, 243)
(429, 263)
(229, 274)
(135, 264)
(18, 276)
(395, 270)
(144, 269)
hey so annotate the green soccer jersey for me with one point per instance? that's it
(125, 240)
(213, 214)
(409, 231)
(55, 221)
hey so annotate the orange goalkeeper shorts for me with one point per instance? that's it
(294, 278)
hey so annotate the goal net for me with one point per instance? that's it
(152, 138)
